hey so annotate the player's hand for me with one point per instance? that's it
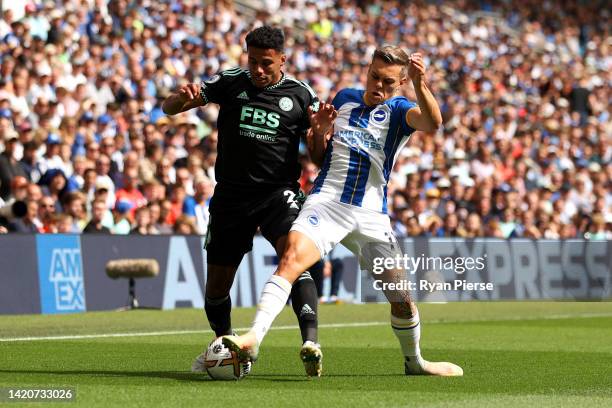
(322, 120)
(416, 66)
(189, 92)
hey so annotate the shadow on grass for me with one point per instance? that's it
(171, 375)
(188, 376)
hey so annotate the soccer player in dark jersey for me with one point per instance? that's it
(263, 115)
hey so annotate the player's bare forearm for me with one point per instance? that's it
(427, 117)
(431, 117)
(187, 97)
(316, 146)
(321, 128)
(174, 104)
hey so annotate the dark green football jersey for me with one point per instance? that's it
(259, 128)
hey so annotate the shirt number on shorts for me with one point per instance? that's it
(291, 199)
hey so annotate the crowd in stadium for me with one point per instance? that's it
(524, 89)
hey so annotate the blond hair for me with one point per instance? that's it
(393, 55)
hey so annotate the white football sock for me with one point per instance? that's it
(273, 299)
(408, 332)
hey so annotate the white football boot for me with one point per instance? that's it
(419, 366)
(245, 346)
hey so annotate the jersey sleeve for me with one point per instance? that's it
(339, 99)
(312, 101)
(215, 88)
(400, 109)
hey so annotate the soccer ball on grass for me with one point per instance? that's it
(222, 364)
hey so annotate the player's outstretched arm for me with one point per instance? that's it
(321, 125)
(187, 97)
(427, 116)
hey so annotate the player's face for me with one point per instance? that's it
(265, 66)
(384, 82)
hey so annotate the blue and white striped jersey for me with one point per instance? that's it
(363, 148)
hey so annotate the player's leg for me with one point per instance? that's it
(406, 325)
(229, 237)
(377, 242)
(318, 228)
(280, 212)
(300, 253)
(316, 273)
(217, 302)
(304, 299)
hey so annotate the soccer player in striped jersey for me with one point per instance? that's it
(349, 201)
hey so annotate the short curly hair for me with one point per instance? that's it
(266, 37)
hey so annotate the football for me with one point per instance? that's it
(222, 364)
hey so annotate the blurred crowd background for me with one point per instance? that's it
(524, 88)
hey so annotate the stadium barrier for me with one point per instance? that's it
(65, 273)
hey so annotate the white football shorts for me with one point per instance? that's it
(366, 233)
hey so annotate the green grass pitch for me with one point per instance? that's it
(513, 354)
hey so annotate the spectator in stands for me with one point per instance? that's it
(197, 206)
(74, 205)
(72, 85)
(158, 218)
(65, 224)
(51, 160)
(9, 167)
(54, 184)
(98, 212)
(130, 192)
(29, 222)
(185, 226)
(46, 214)
(122, 224)
(143, 223)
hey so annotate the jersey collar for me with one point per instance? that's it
(276, 85)
(279, 83)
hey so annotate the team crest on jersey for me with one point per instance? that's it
(379, 116)
(213, 79)
(285, 103)
(313, 220)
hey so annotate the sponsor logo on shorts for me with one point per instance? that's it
(313, 220)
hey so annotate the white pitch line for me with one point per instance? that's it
(177, 332)
(295, 327)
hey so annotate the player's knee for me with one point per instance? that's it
(287, 263)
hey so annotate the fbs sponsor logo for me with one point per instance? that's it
(259, 124)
